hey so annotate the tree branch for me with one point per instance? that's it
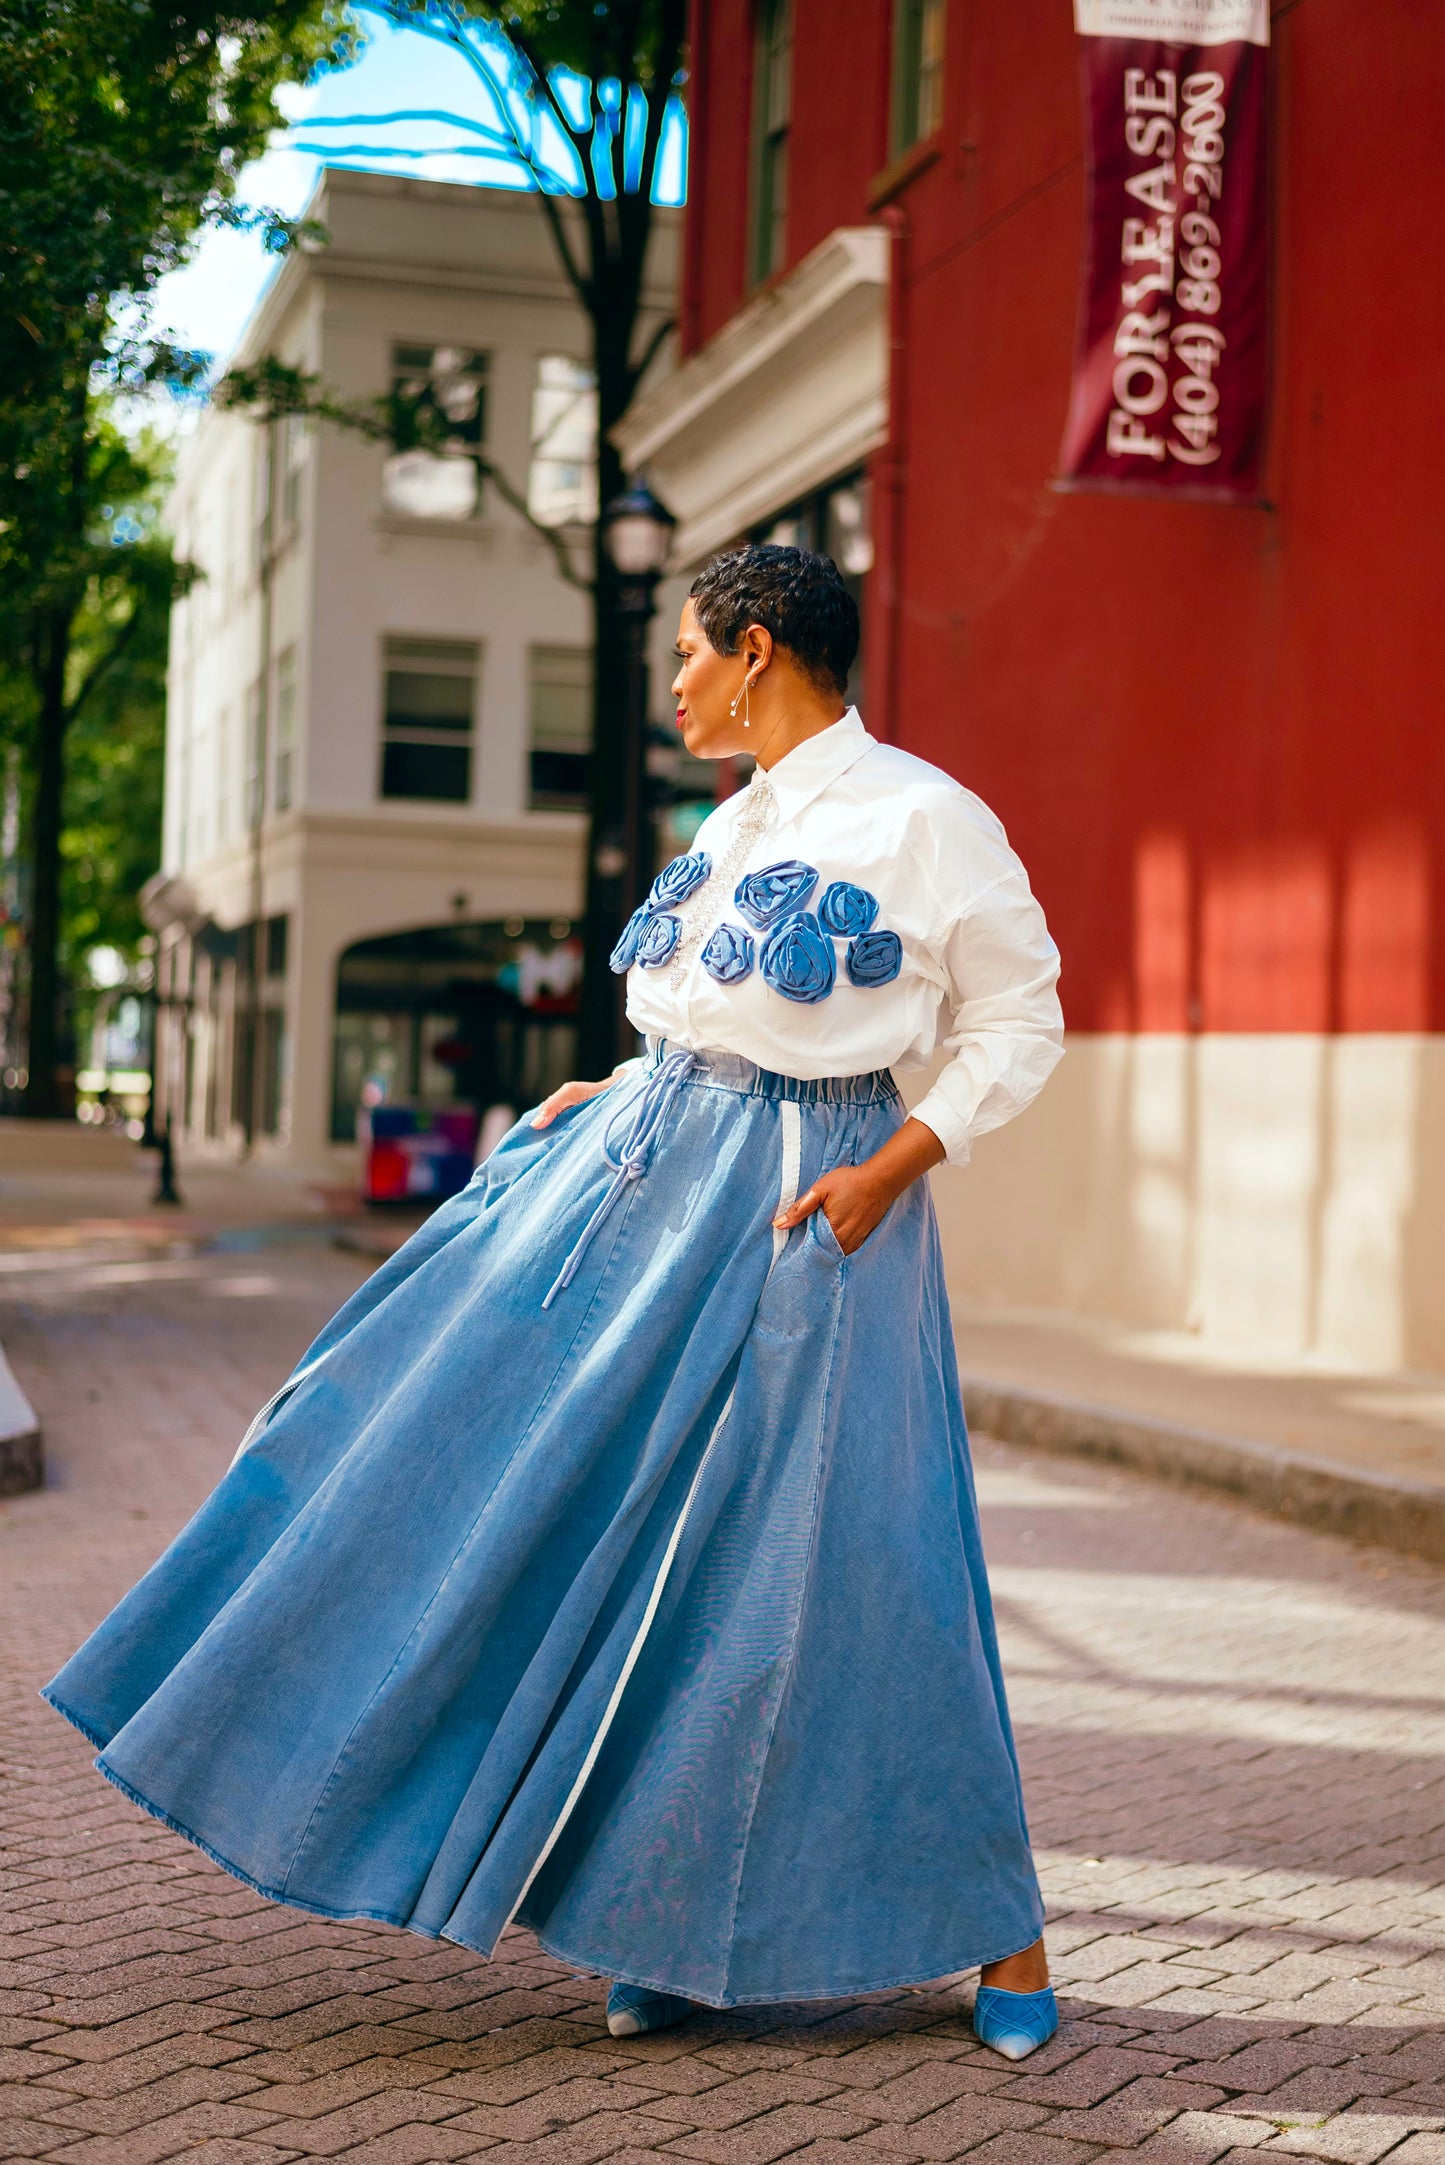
(635, 211)
(270, 390)
(581, 284)
(102, 668)
(455, 35)
(593, 218)
(638, 369)
(552, 535)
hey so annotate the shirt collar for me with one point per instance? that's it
(816, 763)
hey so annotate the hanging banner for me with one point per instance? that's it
(1170, 376)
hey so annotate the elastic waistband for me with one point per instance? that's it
(730, 1071)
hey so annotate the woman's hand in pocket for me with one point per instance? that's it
(856, 1198)
(850, 1199)
(570, 1094)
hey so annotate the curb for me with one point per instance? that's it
(1390, 1513)
(22, 1451)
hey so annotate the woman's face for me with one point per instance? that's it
(705, 687)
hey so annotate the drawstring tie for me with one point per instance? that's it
(630, 1161)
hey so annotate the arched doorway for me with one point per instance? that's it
(473, 1014)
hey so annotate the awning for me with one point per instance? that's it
(791, 393)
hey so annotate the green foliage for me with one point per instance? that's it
(272, 390)
(111, 843)
(124, 126)
(115, 696)
(627, 39)
(111, 832)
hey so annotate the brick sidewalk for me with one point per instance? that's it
(1234, 1739)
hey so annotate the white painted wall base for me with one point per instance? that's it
(22, 1452)
(1287, 1191)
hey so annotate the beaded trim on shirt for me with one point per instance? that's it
(712, 898)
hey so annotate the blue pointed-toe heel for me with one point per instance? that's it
(1014, 2023)
(632, 2010)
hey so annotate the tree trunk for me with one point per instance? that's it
(42, 1089)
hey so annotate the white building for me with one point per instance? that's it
(379, 692)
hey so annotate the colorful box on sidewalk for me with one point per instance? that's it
(412, 1151)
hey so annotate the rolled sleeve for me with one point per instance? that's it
(1007, 1031)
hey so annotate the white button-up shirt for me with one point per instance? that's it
(976, 968)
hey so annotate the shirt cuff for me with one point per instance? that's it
(935, 1112)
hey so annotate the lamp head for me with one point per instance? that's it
(637, 532)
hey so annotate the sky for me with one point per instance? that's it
(207, 303)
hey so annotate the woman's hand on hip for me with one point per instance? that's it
(570, 1094)
(855, 1198)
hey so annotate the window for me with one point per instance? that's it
(561, 725)
(226, 585)
(261, 494)
(293, 459)
(272, 1077)
(917, 71)
(285, 729)
(255, 730)
(480, 1014)
(427, 731)
(450, 381)
(199, 794)
(278, 942)
(562, 479)
(268, 1082)
(772, 114)
(836, 521)
(223, 776)
(183, 803)
(847, 529)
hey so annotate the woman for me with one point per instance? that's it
(611, 1560)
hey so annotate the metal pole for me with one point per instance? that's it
(150, 1138)
(166, 1189)
(637, 601)
(252, 1097)
(603, 914)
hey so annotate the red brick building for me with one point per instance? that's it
(1216, 734)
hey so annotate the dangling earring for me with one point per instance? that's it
(745, 695)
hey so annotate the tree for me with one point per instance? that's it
(581, 90)
(111, 823)
(124, 125)
(86, 654)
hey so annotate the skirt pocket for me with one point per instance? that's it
(824, 1238)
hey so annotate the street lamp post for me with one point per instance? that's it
(636, 533)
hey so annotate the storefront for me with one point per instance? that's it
(459, 1014)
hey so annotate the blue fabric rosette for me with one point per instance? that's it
(624, 954)
(874, 958)
(797, 959)
(728, 955)
(676, 881)
(659, 937)
(846, 909)
(766, 897)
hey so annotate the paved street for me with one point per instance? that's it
(1234, 1738)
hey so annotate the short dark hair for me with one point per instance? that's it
(797, 596)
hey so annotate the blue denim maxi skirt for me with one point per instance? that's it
(639, 1599)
